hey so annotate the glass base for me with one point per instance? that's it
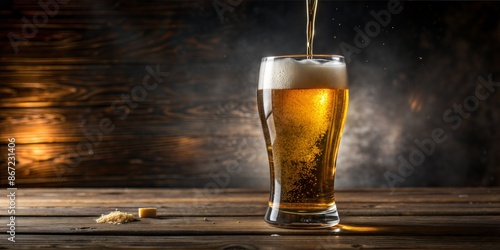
(302, 220)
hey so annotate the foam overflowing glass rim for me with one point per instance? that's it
(304, 56)
(301, 72)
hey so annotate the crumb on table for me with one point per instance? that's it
(115, 217)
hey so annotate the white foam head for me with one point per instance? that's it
(289, 73)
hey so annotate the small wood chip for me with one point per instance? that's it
(147, 212)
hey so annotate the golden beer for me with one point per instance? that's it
(302, 106)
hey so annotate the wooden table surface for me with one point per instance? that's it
(406, 218)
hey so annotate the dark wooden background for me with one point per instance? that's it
(200, 124)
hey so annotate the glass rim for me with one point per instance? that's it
(304, 56)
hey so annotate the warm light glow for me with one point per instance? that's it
(354, 228)
(415, 101)
(36, 134)
(323, 98)
(39, 151)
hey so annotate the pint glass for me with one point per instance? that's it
(302, 107)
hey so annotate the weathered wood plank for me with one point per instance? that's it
(254, 208)
(117, 32)
(73, 132)
(350, 225)
(209, 112)
(73, 86)
(71, 164)
(90, 54)
(241, 202)
(402, 195)
(33, 241)
(245, 228)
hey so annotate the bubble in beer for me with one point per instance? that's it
(302, 105)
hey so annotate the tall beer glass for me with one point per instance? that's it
(302, 107)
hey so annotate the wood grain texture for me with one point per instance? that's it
(89, 62)
(233, 219)
(257, 208)
(93, 54)
(117, 32)
(72, 85)
(69, 163)
(243, 202)
(382, 225)
(407, 195)
(255, 242)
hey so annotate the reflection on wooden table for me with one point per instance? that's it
(415, 218)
